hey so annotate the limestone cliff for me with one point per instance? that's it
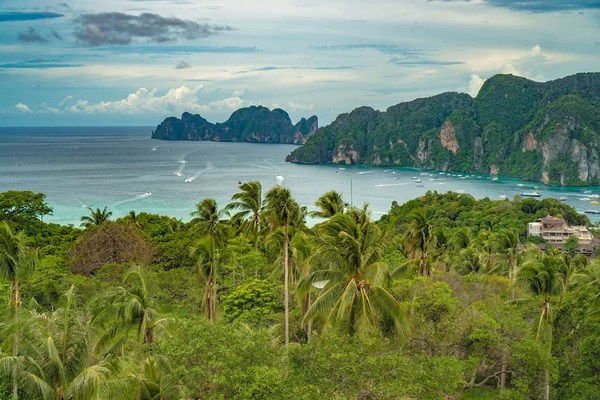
(547, 132)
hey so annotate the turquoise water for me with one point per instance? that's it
(122, 168)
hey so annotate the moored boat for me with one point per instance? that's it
(563, 198)
(592, 212)
(531, 194)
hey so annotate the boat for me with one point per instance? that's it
(585, 199)
(594, 196)
(563, 198)
(531, 194)
(587, 192)
(594, 203)
(341, 169)
(418, 181)
(414, 177)
(494, 179)
(441, 173)
(396, 178)
(592, 212)
(502, 196)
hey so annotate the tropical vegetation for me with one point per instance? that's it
(444, 297)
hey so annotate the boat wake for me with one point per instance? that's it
(179, 171)
(138, 197)
(263, 167)
(193, 178)
(365, 172)
(391, 184)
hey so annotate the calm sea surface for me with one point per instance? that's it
(122, 168)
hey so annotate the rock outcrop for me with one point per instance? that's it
(255, 124)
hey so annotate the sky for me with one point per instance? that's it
(136, 62)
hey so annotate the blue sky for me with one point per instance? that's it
(135, 62)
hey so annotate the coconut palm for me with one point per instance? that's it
(132, 305)
(542, 277)
(283, 211)
(506, 244)
(16, 259)
(249, 203)
(590, 279)
(354, 280)
(471, 261)
(420, 238)
(60, 359)
(302, 253)
(96, 217)
(211, 224)
(329, 204)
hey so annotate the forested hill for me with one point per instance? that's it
(249, 124)
(547, 132)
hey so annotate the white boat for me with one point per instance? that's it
(594, 196)
(563, 198)
(587, 192)
(414, 177)
(585, 198)
(494, 179)
(418, 181)
(179, 174)
(502, 196)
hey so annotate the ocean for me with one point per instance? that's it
(123, 169)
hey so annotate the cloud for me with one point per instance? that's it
(526, 64)
(382, 48)
(62, 103)
(539, 6)
(22, 108)
(475, 85)
(56, 35)
(300, 107)
(31, 36)
(179, 49)
(27, 16)
(238, 93)
(121, 29)
(35, 64)
(415, 63)
(182, 65)
(144, 101)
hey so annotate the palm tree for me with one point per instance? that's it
(543, 280)
(133, 305)
(471, 261)
(420, 238)
(302, 253)
(16, 259)
(283, 211)
(249, 203)
(329, 204)
(506, 243)
(96, 217)
(211, 223)
(354, 280)
(60, 360)
(590, 279)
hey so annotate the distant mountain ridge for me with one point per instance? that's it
(547, 132)
(255, 124)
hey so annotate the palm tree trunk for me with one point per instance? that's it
(424, 264)
(16, 300)
(503, 369)
(547, 384)
(305, 307)
(286, 291)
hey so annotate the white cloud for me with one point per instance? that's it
(62, 103)
(22, 107)
(145, 101)
(527, 64)
(232, 103)
(239, 93)
(475, 84)
(300, 107)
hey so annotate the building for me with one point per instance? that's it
(556, 231)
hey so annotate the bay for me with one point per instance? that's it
(123, 169)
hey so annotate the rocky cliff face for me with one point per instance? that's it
(547, 132)
(252, 124)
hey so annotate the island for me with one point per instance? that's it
(547, 132)
(255, 124)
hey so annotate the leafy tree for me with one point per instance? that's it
(16, 204)
(571, 244)
(96, 218)
(256, 302)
